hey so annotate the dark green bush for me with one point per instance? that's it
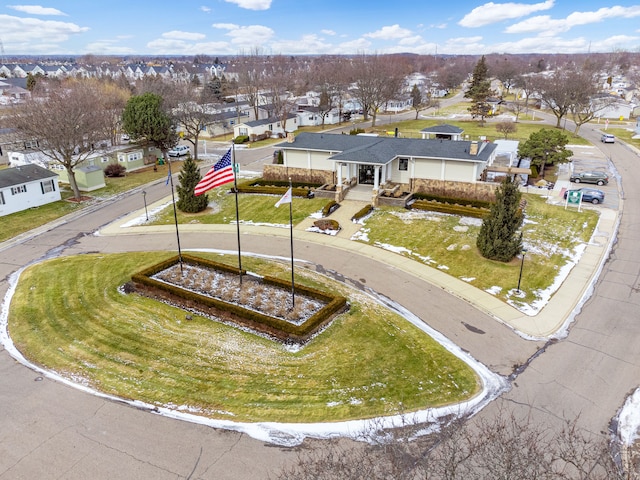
(363, 212)
(356, 131)
(329, 208)
(241, 139)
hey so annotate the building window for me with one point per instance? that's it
(104, 159)
(2, 202)
(403, 164)
(17, 190)
(47, 186)
(121, 158)
(132, 157)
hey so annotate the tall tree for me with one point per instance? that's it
(557, 92)
(545, 147)
(479, 91)
(67, 122)
(499, 237)
(194, 113)
(189, 177)
(378, 80)
(145, 117)
(416, 97)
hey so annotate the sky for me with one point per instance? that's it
(298, 27)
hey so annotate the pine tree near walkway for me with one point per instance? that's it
(189, 177)
(499, 238)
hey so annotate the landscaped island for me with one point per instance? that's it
(70, 315)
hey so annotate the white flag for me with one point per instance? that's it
(286, 198)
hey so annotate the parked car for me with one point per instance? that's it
(599, 178)
(588, 195)
(607, 138)
(179, 151)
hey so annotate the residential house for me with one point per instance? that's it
(418, 165)
(27, 186)
(270, 126)
(24, 69)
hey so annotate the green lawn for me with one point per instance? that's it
(369, 362)
(550, 233)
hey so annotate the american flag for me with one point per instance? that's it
(219, 174)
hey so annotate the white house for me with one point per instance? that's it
(263, 127)
(27, 186)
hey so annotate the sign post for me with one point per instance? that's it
(574, 197)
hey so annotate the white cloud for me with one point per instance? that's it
(178, 35)
(107, 47)
(36, 10)
(252, 4)
(205, 9)
(248, 36)
(226, 26)
(308, 44)
(43, 33)
(496, 12)
(389, 32)
(327, 32)
(180, 47)
(354, 46)
(544, 23)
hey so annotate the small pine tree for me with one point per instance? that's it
(499, 238)
(189, 177)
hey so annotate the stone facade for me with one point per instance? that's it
(280, 172)
(475, 191)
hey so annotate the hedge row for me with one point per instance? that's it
(453, 201)
(329, 208)
(363, 212)
(281, 183)
(463, 210)
(295, 332)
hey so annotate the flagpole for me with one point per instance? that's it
(293, 289)
(175, 212)
(235, 189)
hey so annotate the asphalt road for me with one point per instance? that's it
(50, 430)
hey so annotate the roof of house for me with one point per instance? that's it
(382, 150)
(442, 128)
(10, 177)
(266, 121)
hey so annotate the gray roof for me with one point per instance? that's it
(382, 150)
(10, 177)
(442, 128)
(266, 121)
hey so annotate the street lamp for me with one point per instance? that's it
(144, 198)
(524, 252)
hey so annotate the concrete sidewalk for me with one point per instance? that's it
(561, 308)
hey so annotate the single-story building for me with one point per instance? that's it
(271, 126)
(418, 165)
(27, 186)
(443, 131)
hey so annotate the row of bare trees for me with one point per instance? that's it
(502, 447)
(72, 118)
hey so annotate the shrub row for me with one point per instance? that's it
(329, 208)
(452, 200)
(277, 327)
(260, 182)
(241, 139)
(363, 212)
(453, 209)
(326, 224)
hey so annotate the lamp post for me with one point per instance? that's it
(524, 252)
(144, 198)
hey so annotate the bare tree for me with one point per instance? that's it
(113, 100)
(251, 78)
(557, 91)
(68, 121)
(378, 80)
(280, 79)
(501, 446)
(193, 113)
(506, 128)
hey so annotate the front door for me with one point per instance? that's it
(365, 174)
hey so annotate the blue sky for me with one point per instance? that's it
(230, 27)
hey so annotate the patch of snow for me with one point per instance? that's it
(326, 232)
(467, 279)
(443, 267)
(494, 290)
(452, 247)
(461, 228)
